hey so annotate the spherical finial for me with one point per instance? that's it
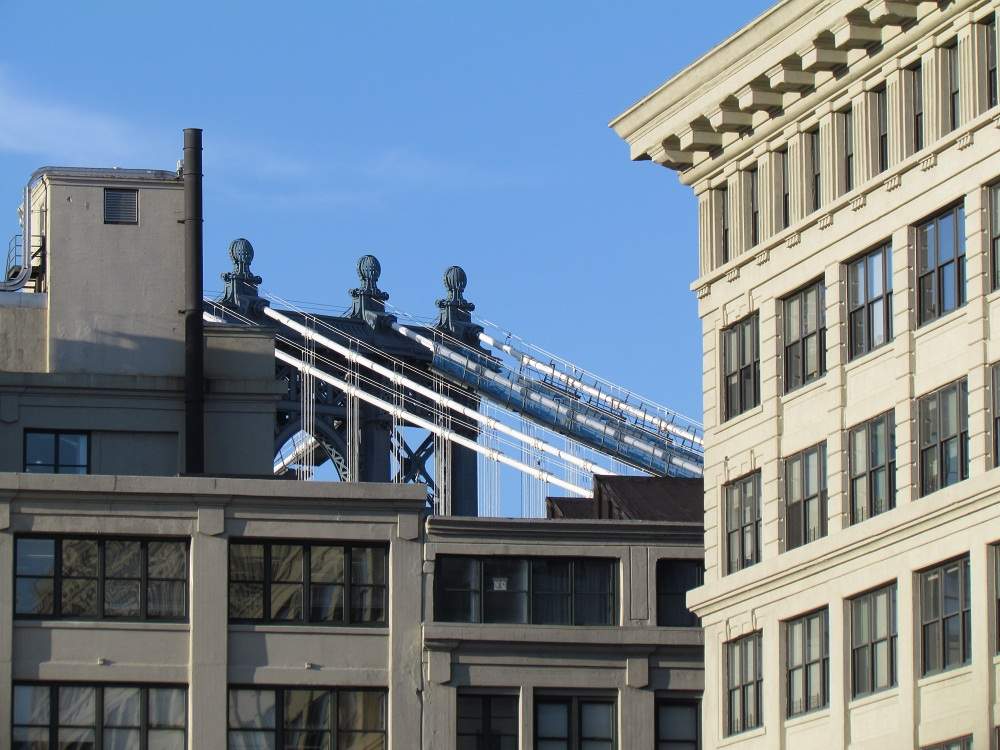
(455, 280)
(241, 251)
(369, 269)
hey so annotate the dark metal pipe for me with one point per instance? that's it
(194, 333)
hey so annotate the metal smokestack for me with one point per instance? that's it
(194, 333)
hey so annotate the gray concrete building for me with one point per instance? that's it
(844, 155)
(144, 608)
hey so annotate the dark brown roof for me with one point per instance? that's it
(569, 507)
(652, 498)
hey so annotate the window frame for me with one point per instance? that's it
(687, 618)
(574, 717)
(785, 217)
(990, 27)
(306, 581)
(112, 222)
(99, 725)
(664, 701)
(803, 666)
(736, 653)
(279, 731)
(488, 734)
(744, 373)
(847, 132)
(821, 495)
(995, 399)
(993, 221)
(868, 471)
(741, 527)
(440, 592)
(798, 377)
(953, 72)
(963, 743)
(724, 216)
(924, 444)
(936, 272)
(816, 170)
(56, 465)
(917, 90)
(964, 615)
(869, 645)
(101, 577)
(881, 98)
(865, 306)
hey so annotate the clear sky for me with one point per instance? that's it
(429, 134)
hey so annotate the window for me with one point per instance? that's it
(327, 584)
(945, 616)
(741, 366)
(674, 578)
(873, 641)
(487, 722)
(538, 591)
(676, 725)
(785, 217)
(574, 724)
(917, 84)
(815, 170)
(847, 130)
(994, 229)
(941, 264)
(869, 293)
(805, 496)
(745, 678)
(743, 522)
(962, 743)
(121, 206)
(56, 452)
(872, 459)
(95, 578)
(754, 206)
(991, 61)
(882, 125)
(995, 380)
(805, 335)
(954, 86)
(996, 591)
(91, 716)
(944, 437)
(724, 211)
(306, 718)
(808, 651)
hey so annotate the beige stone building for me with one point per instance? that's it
(142, 609)
(844, 155)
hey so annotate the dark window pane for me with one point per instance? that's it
(167, 560)
(79, 557)
(34, 596)
(246, 562)
(39, 448)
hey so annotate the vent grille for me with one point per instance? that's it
(121, 206)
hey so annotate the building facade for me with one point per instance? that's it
(144, 609)
(844, 156)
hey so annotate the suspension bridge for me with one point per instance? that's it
(471, 410)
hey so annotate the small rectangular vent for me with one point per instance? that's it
(121, 206)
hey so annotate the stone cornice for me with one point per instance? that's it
(755, 69)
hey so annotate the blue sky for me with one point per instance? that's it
(428, 134)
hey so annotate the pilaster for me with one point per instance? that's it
(903, 326)
(738, 224)
(769, 194)
(829, 168)
(895, 96)
(935, 82)
(836, 349)
(977, 274)
(972, 99)
(865, 127)
(798, 156)
(207, 703)
(705, 233)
